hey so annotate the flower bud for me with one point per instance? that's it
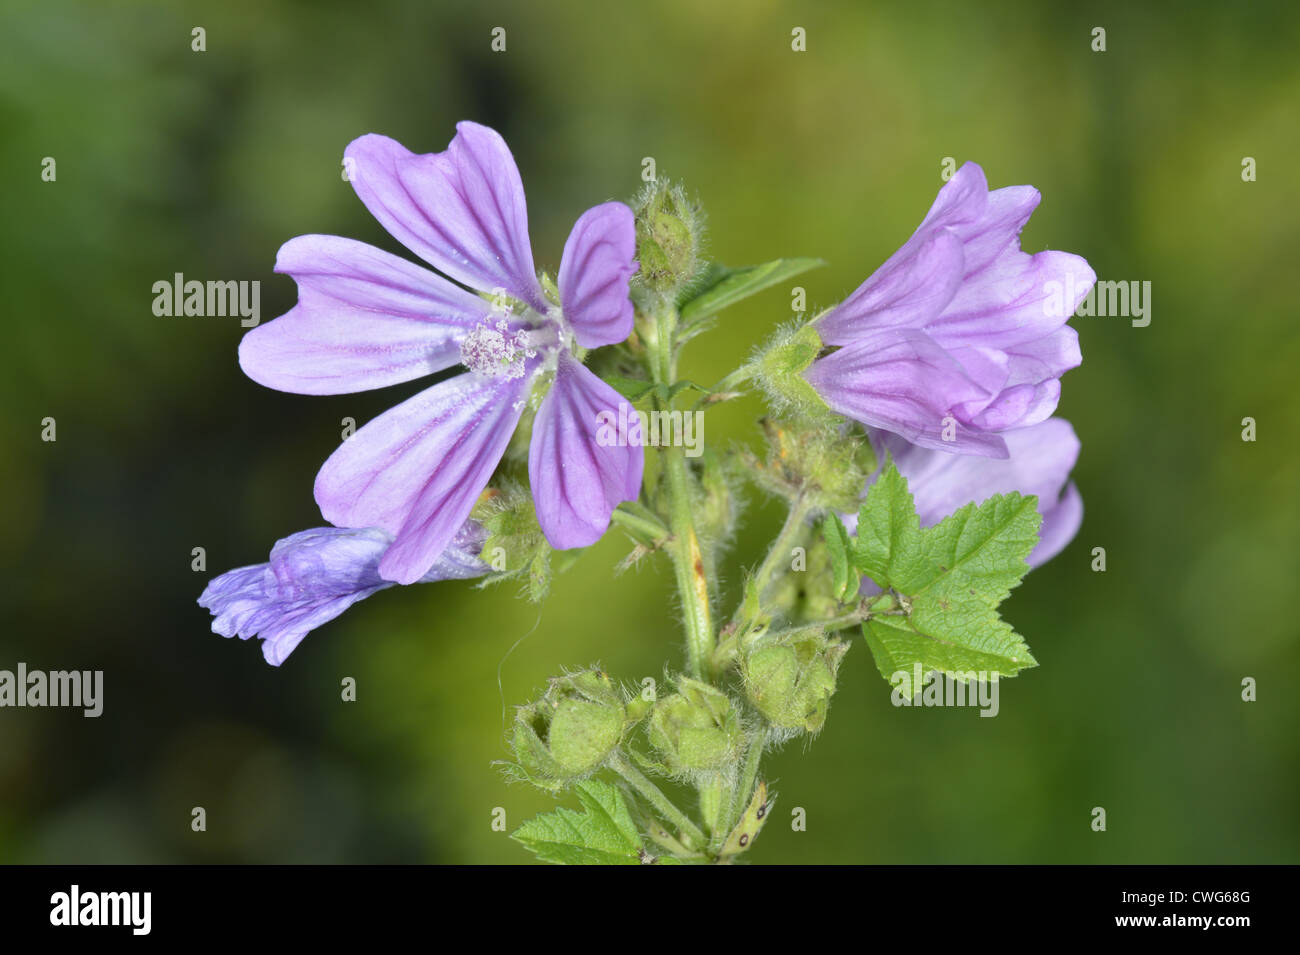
(668, 229)
(827, 462)
(696, 730)
(570, 732)
(808, 593)
(791, 679)
(515, 545)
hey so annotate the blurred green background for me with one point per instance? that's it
(171, 161)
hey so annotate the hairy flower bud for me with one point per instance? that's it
(826, 462)
(696, 730)
(515, 545)
(570, 732)
(791, 679)
(668, 230)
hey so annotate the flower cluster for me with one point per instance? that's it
(367, 319)
(930, 389)
(950, 355)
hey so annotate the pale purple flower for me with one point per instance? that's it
(312, 577)
(366, 319)
(1039, 462)
(960, 335)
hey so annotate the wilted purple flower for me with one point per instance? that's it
(960, 335)
(312, 577)
(1039, 462)
(366, 319)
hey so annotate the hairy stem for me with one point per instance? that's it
(859, 614)
(656, 798)
(684, 548)
(688, 566)
(640, 523)
(744, 790)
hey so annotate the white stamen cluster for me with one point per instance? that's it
(495, 351)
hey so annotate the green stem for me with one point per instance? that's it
(778, 555)
(728, 385)
(748, 778)
(737, 377)
(684, 548)
(688, 567)
(859, 614)
(656, 798)
(641, 524)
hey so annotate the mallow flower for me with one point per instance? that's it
(960, 335)
(1040, 458)
(313, 576)
(366, 319)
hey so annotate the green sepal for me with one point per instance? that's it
(791, 677)
(515, 547)
(779, 369)
(696, 730)
(570, 731)
(750, 825)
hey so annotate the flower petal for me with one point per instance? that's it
(987, 223)
(1048, 357)
(1060, 523)
(416, 470)
(462, 210)
(1039, 462)
(911, 288)
(578, 480)
(1016, 407)
(312, 577)
(364, 319)
(593, 280)
(1014, 300)
(901, 381)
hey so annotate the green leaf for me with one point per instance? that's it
(950, 577)
(838, 546)
(976, 552)
(958, 637)
(670, 392)
(724, 287)
(602, 834)
(888, 529)
(632, 389)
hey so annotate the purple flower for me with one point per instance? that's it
(312, 577)
(960, 335)
(366, 319)
(1039, 462)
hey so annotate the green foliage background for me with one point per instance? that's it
(204, 163)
